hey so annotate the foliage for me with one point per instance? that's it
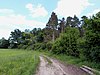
(39, 46)
(92, 36)
(73, 37)
(52, 24)
(4, 43)
(67, 43)
(49, 46)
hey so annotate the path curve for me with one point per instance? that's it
(50, 66)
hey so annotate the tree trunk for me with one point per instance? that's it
(53, 36)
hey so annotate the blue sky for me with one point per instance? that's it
(28, 14)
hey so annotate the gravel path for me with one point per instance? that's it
(50, 66)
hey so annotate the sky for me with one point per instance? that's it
(29, 14)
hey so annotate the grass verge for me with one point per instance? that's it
(48, 60)
(75, 61)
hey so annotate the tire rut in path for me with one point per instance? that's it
(57, 68)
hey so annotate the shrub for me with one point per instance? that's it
(49, 45)
(20, 46)
(67, 43)
(24, 46)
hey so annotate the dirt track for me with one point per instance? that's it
(50, 66)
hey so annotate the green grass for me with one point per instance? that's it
(78, 61)
(18, 62)
(23, 62)
(48, 60)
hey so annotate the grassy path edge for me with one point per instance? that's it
(76, 61)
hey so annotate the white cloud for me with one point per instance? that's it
(71, 7)
(18, 20)
(6, 11)
(29, 6)
(12, 21)
(37, 11)
(93, 12)
(5, 33)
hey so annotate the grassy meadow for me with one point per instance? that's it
(18, 62)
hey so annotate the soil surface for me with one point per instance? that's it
(50, 66)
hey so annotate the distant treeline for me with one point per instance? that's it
(70, 36)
